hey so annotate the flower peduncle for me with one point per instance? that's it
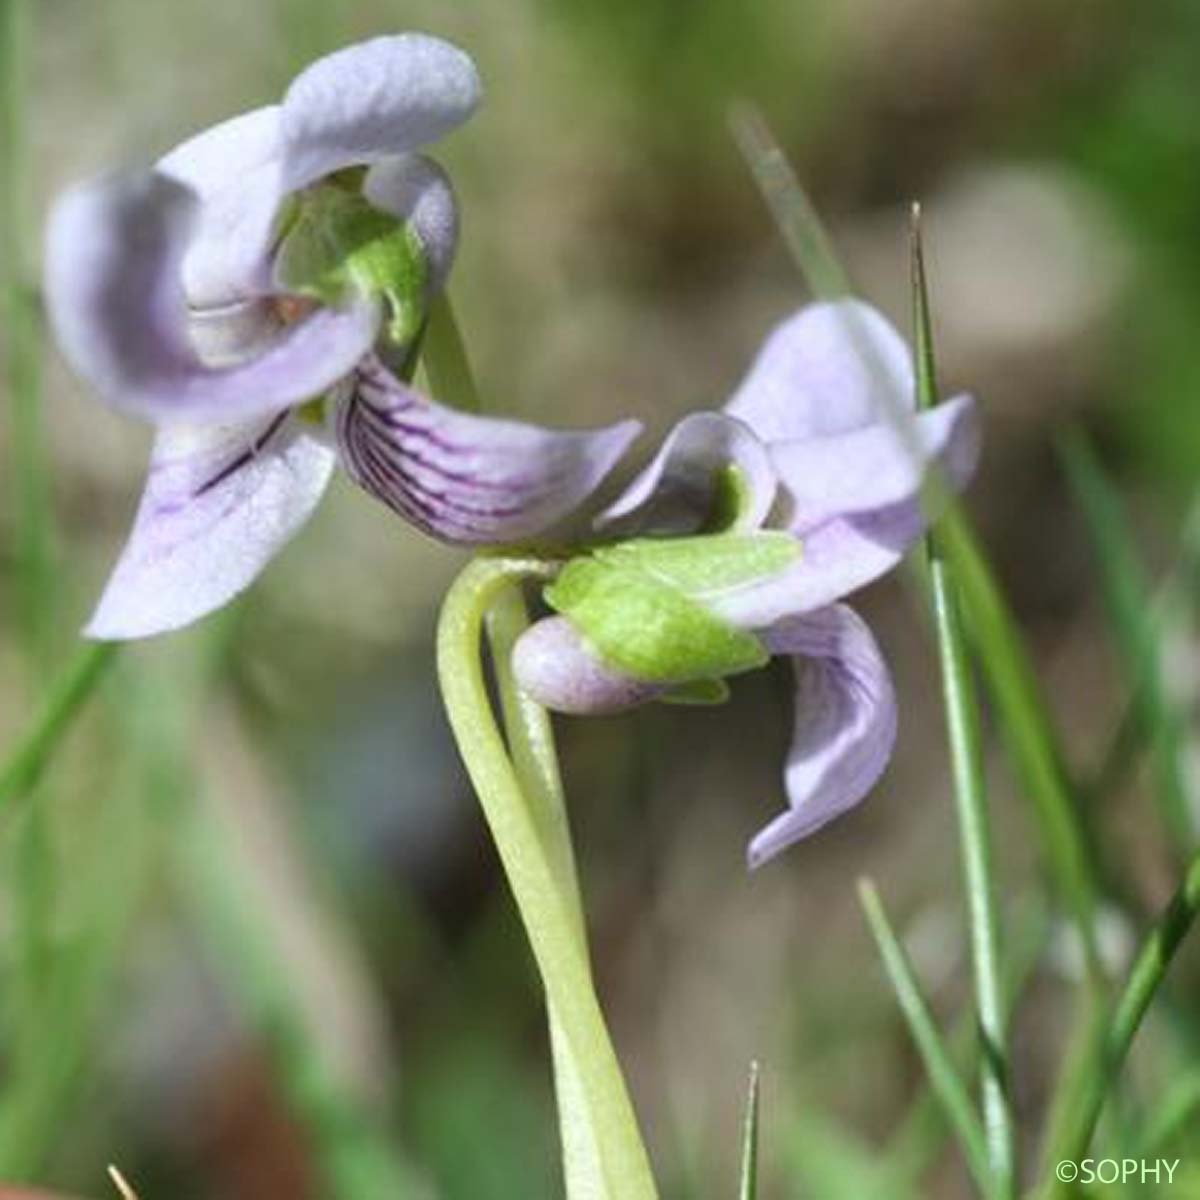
(545, 910)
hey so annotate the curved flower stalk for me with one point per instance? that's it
(737, 544)
(258, 296)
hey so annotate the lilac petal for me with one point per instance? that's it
(114, 297)
(874, 467)
(554, 667)
(236, 170)
(677, 492)
(219, 503)
(842, 551)
(379, 98)
(845, 725)
(830, 368)
(415, 189)
(463, 478)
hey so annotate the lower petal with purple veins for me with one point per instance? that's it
(219, 503)
(464, 478)
(845, 723)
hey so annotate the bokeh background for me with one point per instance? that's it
(259, 932)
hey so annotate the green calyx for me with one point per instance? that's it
(336, 243)
(641, 606)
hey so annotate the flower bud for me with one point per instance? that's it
(555, 667)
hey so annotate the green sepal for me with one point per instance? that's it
(645, 627)
(337, 243)
(697, 693)
(708, 564)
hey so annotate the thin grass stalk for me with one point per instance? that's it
(27, 762)
(943, 1076)
(965, 736)
(1111, 1048)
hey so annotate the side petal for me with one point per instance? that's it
(874, 467)
(382, 97)
(117, 306)
(845, 725)
(830, 368)
(236, 170)
(415, 189)
(464, 478)
(218, 505)
(680, 491)
(855, 514)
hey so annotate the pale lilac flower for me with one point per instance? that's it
(256, 296)
(816, 456)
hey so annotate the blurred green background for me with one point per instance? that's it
(289, 760)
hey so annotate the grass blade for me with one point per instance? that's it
(748, 1187)
(26, 764)
(1136, 623)
(27, 472)
(1111, 1048)
(944, 1078)
(970, 792)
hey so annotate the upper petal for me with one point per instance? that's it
(116, 302)
(465, 478)
(219, 503)
(876, 466)
(678, 491)
(236, 170)
(378, 98)
(845, 723)
(830, 368)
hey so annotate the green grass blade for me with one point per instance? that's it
(1029, 732)
(965, 738)
(27, 763)
(1111, 1048)
(1175, 1112)
(748, 1185)
(943, 1076)
(1136, 623)
(27, 473)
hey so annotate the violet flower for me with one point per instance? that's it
(812, 492)
(257, 296)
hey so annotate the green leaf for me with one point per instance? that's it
(647, 628)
